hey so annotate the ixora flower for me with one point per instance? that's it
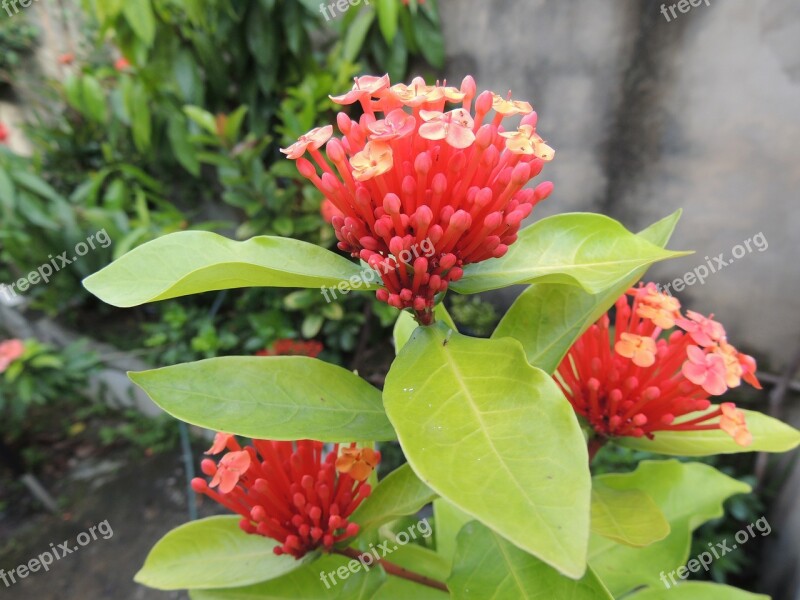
(290, 347)
(290, 491)
(639, 380)
(10, 350)
(413, 169)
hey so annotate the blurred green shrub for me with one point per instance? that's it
(171, 117)
(17, 41)
(41, 378)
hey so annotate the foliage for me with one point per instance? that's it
(474, 315)
(17, 41)
(42, 378)
(152, 435)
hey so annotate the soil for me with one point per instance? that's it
(141, 501)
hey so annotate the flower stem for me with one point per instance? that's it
(595, 444)
(396, 570)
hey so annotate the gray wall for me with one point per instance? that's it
(648, 116)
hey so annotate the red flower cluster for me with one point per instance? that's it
(409, 171)
(288, 491)
(640, 382)
(4, 133)
(290, 347)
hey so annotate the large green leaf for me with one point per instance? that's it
(496, 437)
(313, 581)
(592, 251)
(769, 435)
(190, 262)
(696, 590)
(212, 553)
(626, 516)
(399, 494)
(277, 398)
(488, 567)
(688, 494)
(547, 318)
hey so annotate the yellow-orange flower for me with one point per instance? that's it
(314, 139)
(364, 87)
(375, 159)
(455, 127)
(733, 423)
(525, 140)
(507, 107)
(641, 349)
(357, 462)
(660, 308)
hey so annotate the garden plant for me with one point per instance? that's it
(426, 190)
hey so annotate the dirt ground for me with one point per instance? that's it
(141, 502)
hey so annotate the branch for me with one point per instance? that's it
(396, 570)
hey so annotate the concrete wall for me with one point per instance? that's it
(648, 116)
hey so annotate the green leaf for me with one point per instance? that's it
(202, 117)
(388, 15)
(307, 582)
(139, 15)
(399, 494)
(178, 134)
(487, 566)
(430, 41)
(449, 520)
(276, 398)
(357, 33)
(190, 262)
(419, 560)
(212, 553)
(688, 494)
(406, 325)
(696, 590)
(311, 325)
(233, 125)
(769, 435)
(496, 437)
(628, 517)
(592, 251)
(547, 318)
(7, 193)
(136, 103)
(94, 99)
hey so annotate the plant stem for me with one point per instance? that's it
(396, 570)
(595, 444)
